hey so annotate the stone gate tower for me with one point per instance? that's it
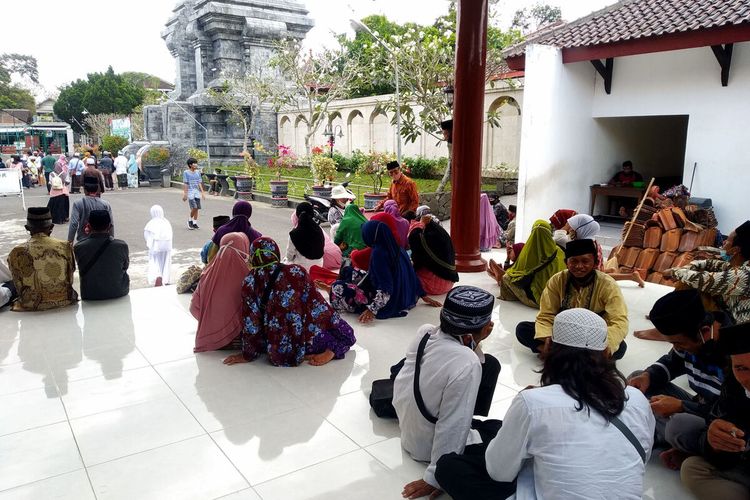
(211, 39)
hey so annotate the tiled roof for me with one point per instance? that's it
(633, 19)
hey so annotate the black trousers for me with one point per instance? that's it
(525, 331)
(490, 372)
(465, 477)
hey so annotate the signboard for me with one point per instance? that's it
(10, 183)
(121, 127)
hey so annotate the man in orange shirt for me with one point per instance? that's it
(403, 190)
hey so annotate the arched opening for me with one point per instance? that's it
(356, 132)
(380, 132)
(504, 138)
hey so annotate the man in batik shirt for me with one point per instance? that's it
(42, 268)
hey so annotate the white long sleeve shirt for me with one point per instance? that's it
(449, 381)
(558, 452)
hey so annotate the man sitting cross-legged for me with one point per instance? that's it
(581, 285)
(693, 333)
(456, 381)
(582, 434)
(43, 267)
(723, 472)
(102, 261)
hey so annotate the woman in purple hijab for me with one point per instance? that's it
(240, 223)
(489, 229)
(391, 207)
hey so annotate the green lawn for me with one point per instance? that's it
(301, 182)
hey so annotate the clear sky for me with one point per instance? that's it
(71, 38)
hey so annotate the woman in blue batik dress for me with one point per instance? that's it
(285, 316)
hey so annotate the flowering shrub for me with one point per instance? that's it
(284, 160)
(323, 168)
(250, 168)
(374, 166)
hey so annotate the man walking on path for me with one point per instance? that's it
(48, 162)
(192, 191)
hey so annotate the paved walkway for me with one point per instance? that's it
(131, 213)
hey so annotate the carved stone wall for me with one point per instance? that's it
(211, 40)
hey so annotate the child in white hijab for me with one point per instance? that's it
(158, 235)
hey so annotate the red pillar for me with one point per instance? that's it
(468, 117)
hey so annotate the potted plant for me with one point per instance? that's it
(508, 179)
(323, 168)
(283, 160)
(153, 161)
(245, 180)
(374, 166)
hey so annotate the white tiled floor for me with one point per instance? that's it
(107, 400)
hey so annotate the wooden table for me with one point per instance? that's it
(621, 191)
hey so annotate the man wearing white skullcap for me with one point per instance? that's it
(582, 434)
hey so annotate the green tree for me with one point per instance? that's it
(100, 93)
(110, 93)
(69, 104)
(313, 82)
(529, 20)
(15, 96)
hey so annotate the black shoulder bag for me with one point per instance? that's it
(381, 395)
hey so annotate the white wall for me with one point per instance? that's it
(687, 82)
(561, 145)
(564, 148)
(370, 132)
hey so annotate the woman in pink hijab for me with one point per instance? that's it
(489, 229)
(217, 302)
(402, 237)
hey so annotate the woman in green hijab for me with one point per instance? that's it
(539, 260)
(349, 233)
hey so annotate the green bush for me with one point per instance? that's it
(113, 143)
(156, 156)
(425, 168)
(349, 163)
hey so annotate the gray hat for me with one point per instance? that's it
(467, 309)
(580, 328)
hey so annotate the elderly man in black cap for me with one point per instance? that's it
(102, 261)
(724, 469)
(444, 382)
(680, 417)
(581, 285)
(78, 228)
(43, 267)
(403, 190)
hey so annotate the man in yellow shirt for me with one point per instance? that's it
(581, 285)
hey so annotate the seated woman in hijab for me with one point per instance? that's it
(539, 260)
(217, 302)
(239, 223)
(560, 218)
(349, 233)
(306, 245)
(390, 287)
(361, 258)
(434, 258)
(402, 225)
(285, 316)
(584, 227)
(490, 231)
